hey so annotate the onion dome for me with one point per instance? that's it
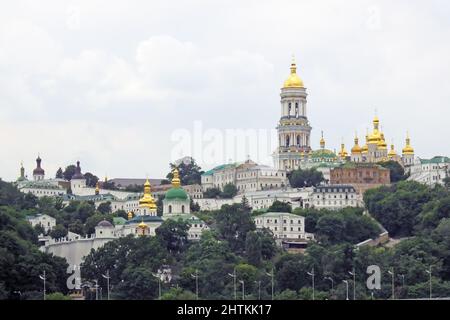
(142, 225)
(293, 81)
(322, 142)
(343, 153)
(22, 173)
(105, 224)
(392, 152)
(176, 192)
(382, 143)
(147, 200)
(356, 148)
(408, 150)
(78, 175)
(130, 215)
(97, 188)
(38, 171)
(375, 137)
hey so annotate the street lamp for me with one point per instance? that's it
(393, 283)
(234, 282)
(346, 284)
(353, 273)
(272, 278)
(107, 277)
(96, 289)
(19, 293)
(259, 289)
(429, 272)
(44, 278)
(331, 280)
(312, 275)
(243, 289)
(195, 276)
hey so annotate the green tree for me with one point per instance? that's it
(229, 191)
(173, 234)
(69, 172)
(305, 178)
(190, 172)
(91, 180)
(104, 208)
(59, 174)
(178, 294)
(194, 206)
(397, 172)
(212, 193)
(138, 284)
(59, 231)
(278, 206)
(253, 248)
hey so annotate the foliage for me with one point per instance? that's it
(69, 172)
(278, 206)
(91, 180)
(397, 172)
(229, 191)
(301, 178)
(190, 172)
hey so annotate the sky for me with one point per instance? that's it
(128, 86)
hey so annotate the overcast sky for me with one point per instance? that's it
(109, 82)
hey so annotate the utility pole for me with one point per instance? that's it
(96, 289)
(353, 273)
(195, 276)
(346, 284)
(312, 275)
(234, 282)
(331, 280)
(393, 283)
(44, 278)
(429, 272)
(259, 289)
(243, 289)
(271, 274)
(107, 277)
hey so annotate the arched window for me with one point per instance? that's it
(170, 208)
(298, 140)
(287, 141)
(290, 107)
(182, 209)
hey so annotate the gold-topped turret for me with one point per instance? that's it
(322, 142)
(176, 182)
(408, 149)
(293, 81)
(130, 215)
(382, 143)
(356, 148)
(392, 153)
(147, 200)
(343, 153)
(97, 188)
(375, 137)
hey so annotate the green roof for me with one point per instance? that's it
(325, 154)
(119, 221)
(218, 168)
(185, 217)
(176, 194)
(436, 160)
(139, 219)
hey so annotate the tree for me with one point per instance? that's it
(278, 206)
(59, 174)
(233, 224)
(397, 172)
(253, 248)
(69, 172)
(57, 296)
(229, 191)
(178, 294)
(212, 193)
(104, 207)
(305, 178)
(194, 206)
(91, 180)
(59, 231)
(173, 234)
(138, 284)
(190, 172)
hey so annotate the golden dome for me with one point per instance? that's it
(176, 178)
(142, 225)
(408, 150)
(97, 188)
(293, 81)
(392, 152)
(365, 148)
(382, 143)
(356, 148)
(130, 215)
(343, 153)
(375, 137)
(322, 142)
(147, 200)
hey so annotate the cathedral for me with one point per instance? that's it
(294, 132)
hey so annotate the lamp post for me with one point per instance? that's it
(233, 275)
(271, 275)
(44, 278)
(393, 283)
(107, 277)
(353, 273)
(403, 279)
(331, 280)
(312, 275)
(96, 289)
(195, 276)
(19, 293)
(346, 284)
(259, 289)
(429, 272)
(243, 289)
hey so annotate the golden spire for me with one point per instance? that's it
(130, 215)
(365, 147)
(382, 143)
(147, 200)
(408, 150)
(322, 142)
(176, 178)
(392, 152)
(356, 148)
(97, 188)
(343, 153)
(294, 80)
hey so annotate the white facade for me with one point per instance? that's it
(47, 222)
(335, 197)
(430, 172)
(284, 225)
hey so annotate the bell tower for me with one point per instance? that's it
(294, 131)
